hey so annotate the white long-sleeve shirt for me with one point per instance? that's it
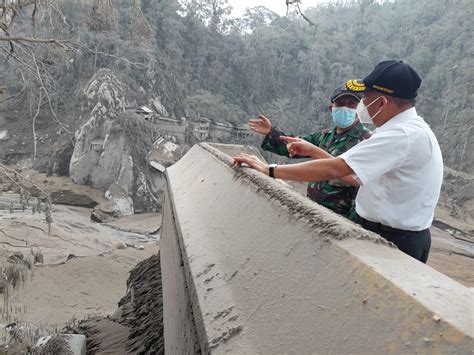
(401, 171)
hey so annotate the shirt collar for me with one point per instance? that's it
(401, 117)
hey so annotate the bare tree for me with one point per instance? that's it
(103, 16)
(12, 10)
(298, 10)
(140, 29)
(29, 54)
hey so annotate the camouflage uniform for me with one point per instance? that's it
(333, 194)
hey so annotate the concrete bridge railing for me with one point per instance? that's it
(250, 266)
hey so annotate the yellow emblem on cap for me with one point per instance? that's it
(355, 85)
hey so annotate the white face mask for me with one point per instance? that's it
(363, 113)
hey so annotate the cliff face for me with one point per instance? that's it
(111, 146)
(104, 101)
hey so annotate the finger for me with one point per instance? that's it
(255, 159)
(242, 155)
(238, 162)
(258, 120)
(289, 139)
(291, 149)
(242, 158)
(263, 118)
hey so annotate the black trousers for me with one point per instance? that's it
(415, 244)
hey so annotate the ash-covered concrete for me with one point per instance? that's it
(266, 270)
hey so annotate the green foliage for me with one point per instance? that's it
(205, 104)
(201, 62)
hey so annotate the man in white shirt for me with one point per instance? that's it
(399, 169)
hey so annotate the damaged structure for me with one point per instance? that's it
(198, 129)
(250, 266)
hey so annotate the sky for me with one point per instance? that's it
(278, 6)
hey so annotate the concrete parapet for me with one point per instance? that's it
(249, 266)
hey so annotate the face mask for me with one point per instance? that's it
(343, 116)
(363, 113)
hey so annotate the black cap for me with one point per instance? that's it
(343, 91)
(391, 77)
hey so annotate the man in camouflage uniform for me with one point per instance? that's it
(348, 131)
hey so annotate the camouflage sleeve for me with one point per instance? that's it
(314, 138)
(272, 143)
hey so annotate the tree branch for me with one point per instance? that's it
(60, 42)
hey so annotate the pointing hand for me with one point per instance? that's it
(297, 146)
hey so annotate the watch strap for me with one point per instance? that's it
(271, 170)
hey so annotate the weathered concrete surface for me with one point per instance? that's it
(178, 321)
(268, 271)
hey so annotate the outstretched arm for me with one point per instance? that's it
(298, 146)
(315, 170)
(261, 125)
(271, 141)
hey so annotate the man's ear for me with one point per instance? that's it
(330, 108)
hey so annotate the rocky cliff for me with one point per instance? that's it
(111, 148)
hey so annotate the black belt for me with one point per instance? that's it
(379, 227)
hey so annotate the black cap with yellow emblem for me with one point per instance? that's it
(391, 77)
(343, 91)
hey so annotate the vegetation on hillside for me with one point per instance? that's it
(202, 62)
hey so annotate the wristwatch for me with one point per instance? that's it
(271, 170)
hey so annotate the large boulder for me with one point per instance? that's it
(122, 202)
(111, 148)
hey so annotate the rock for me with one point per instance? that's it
(58, 162)
(98, 215)
(121, 245)
(165, 152)
(111, 146)
(104, 102)
(119, 204)
(139, 247)
(117, 315)
(26, 163)
(123, 204)
(17, 256)
(70, 198)
(4, 135)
